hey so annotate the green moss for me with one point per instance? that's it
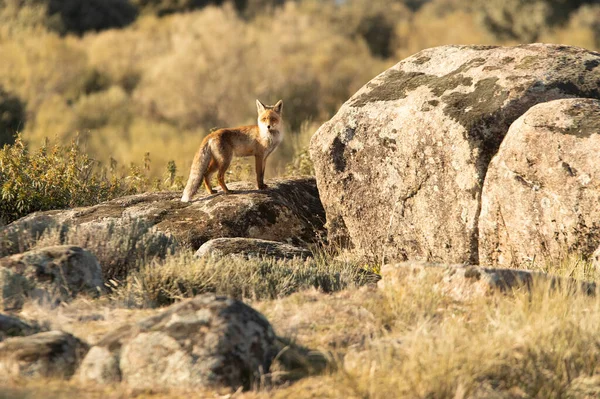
(586, 119)
(421, 60)
(397, 84)
(470, 108)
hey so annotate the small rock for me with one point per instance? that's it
(14, 327)
(101, 366)
(53, 354)
(50, 275)
(250, 248)
(207, 341)
(596, 259)
(465, 282)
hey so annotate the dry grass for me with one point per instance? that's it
(408, 341)
(161, 282)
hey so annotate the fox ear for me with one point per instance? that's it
(260, 106)
(278, 107)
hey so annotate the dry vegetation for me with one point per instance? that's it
(411, 341)
(417, 339)
(164, 79)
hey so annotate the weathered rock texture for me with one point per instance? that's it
(289, 211)
(541, 197)
(208, 341)
(11, 326)
(52, 275)
(53, 354)
(250, 248)
(401, 166)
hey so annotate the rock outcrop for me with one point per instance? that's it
(289, 211)
(54, 354)
(51, 275)
(541, 197)
(401, 166)
(11, 326)
(250, 248)
(207, 341)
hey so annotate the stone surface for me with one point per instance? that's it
(400, 168)
(207, 341)
(288, 211)
(101, 366)
(53, 354)
(250, 248)
(541, 194)
(466, 282)
(11, 326)
(596, 259)
(51, 275)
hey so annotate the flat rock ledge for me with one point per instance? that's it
(466, 282)
(289, 211)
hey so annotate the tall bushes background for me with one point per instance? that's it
(130, 77)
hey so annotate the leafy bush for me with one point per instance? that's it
(12, 117)
(52, 177)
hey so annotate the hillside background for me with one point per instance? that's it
(142, 81)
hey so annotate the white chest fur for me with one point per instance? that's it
(271, 139)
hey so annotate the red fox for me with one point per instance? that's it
(219, 147)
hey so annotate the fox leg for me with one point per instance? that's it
(260, 163)
(223, 165)
(212, 168)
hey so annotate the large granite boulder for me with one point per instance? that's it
(52, 354)
(289, 211)
(207, 341)
(541, 197)
(400, 168)
(50, 275)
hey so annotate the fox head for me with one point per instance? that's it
(269, 117)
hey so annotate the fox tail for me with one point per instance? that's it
(199, 167)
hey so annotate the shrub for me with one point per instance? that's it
(52, 177)
(12, 117)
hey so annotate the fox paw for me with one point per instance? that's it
(262, 186)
